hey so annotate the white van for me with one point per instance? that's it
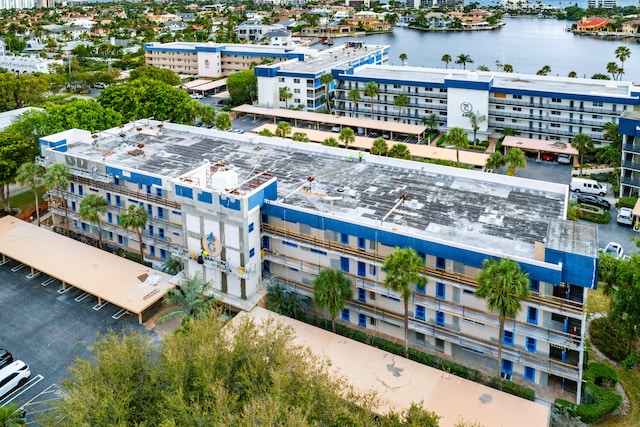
(589, 186)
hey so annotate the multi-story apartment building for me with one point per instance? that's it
(244, 210)
(629, 128)
(302, 76)
(539, 107)
(27, 64)
(606, 4)
(16, 4)
(213, 60)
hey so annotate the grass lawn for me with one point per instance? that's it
(630, 380)
(597, 302)
(25, 201)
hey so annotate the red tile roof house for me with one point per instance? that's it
(592, 24)
(631, 27)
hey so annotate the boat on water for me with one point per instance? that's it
(326, 41)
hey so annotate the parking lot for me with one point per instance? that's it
(49, 330)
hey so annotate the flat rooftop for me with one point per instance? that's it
(319, 61)
(470, 209)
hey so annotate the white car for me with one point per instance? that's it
(625, 216)
(195, 96)
(564, 159)
(614, 249)
(14, 375)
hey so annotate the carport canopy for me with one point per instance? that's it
(111, 278)
(539, 146)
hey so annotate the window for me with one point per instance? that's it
(293, 245)
(439, 318)
(598, 104)
(313, 251)
(507, 369)
(118, 201)
(160, 212)
(372, 321)
(362, 295)
(116, 180)
(73, 206)
(422, 288)
(80, 190)
(252, 253)
(555, 113)
(531, 345)
(362, 243)
(161, 233)
(159, 192)
(296, 80)
(344, 264)
(534, 285)
(529, 373)
(440, 290)
(296, 91)
(362, 269)
(517, 96)
(72, 188)
(372, 270)
(108, 198)
(109, 217)
(152, 250)
(120, 240)
(554, 125)
(83, 226)
(148, 189)
(362, 320)
(151, 230)
(421, 312)
(441, 263)
(251, 227)
(345, 314)
(507, 338)
(556, 100)
(149, 210)
(532, 315)
(163, 254)
(344, 238)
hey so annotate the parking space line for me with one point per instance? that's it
(18, 267)
(31, 383)
(81, 297)
(49, 281)
(32, 275)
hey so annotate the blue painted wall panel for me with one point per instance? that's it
(577, 269)
(205, 197)
(270, 192)
(628, 126)
(227, 203)
(136, 178)
(184, 191)
(468, 84)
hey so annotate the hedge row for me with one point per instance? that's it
(610, 338)
(598, 401)
(626, 202)
(605, 218)
(513, 388)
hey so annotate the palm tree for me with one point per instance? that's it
(172, 266)
(446, 58)
(400, 101)
(347, 136)
(458, 137)
(495, 161)
(464, 60)
(29, 174)
(11, 416)
(331, 290)
(402, 268)
(572, 74)
(516, 159)
(403, 58)
(285, 95)
(430, 121)
(90, 209)
(400, 151)
(544, 70)
(300, 137)
(611, 134)
(134, 218)
(475, 118)
(283, 129)
(379, 147)
(371, 90)
(503, 284)
(622, 53)
(507, 68)
(208, 115)
(326, 80)
(330, 142)
(223, 121)
(354, 96)
(583, 143)
(614, 70)
(483, 68)
(57, 177)
(192, 297)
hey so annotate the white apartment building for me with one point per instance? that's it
(27, 64)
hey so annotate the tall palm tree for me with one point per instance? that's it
(507, 68)
(379, 147)
(354, 96)
(430, 121)
(134, 218)
(402, 268)
(458, 137)
(283, 129)
(192, 297)
(611, 134)
(614, 70)
(326, 80)
(495, 161)
(446, 58)
(331, 290)
(90, 209)
(572, 74)
(285, 95)
(223, 121)
(29, 174)
(400, 151)
(503, 284)
(622, 53)
(371, 90)
(583, 143)
(545, 70)
(347, 136)
(464, 60)
(475, 118)
(11, 416)
(403, 58)
(516, 159)
(400, 101)
(57, 177)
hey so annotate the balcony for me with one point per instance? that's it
(556, 106)
(634, 148)
(633, 182)
(631, 165)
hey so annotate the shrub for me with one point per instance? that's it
(631, 361)
(605, 218)
(626, 202)
(601, 374)
(265, 132)
(513, 388)
(610, 338)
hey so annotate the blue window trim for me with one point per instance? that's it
(440, 318)
(420, 312)
(529, 373)
(317, 251)
(362, 320)
(293, 245)
(344, 264)
(346, 315)
(441, 290)
(421, 288)
(252, 253)
(362, 269)
(531, 345)
(344, 238)
(506, 366)
(163, 254)
(160, 212)
(161, 233)
(362, 294)
(507, 338)
(362, 243)
(534, 285)
(251, 227)
(532, 315)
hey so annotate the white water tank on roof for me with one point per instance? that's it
(224, 179)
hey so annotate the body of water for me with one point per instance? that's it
(527, 44)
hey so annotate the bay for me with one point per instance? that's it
(527, 44)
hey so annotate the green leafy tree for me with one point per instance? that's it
(207, 114)
(495, 161)
(475, 118)
(380, 147)
(609, 155)
(243, 87)
(354, 96)
(403, 58)
(430, 121)
(284, 301)
(507, 68)
(400, 101)
(283, 129)
(545, 70)
(584, 144)
(10, 416)
(172, 266)
(516, 159)
(331, 142)
(463, 60)
(326, 80)
(265, 132)
(347, 136)
(223, 121)
(15, 150)
(446, 58)
(300, 137)
(372, 91)
(154, 73)
(134, 218)
(458, 138)
(402, 268)
(57, 178)
(285, 95)
(622, 53)
(572, 74)
(611, 134)
(191, 297)
(400, 151)
(29, 175)
(91, 207)
(503, 284)
(331, 290)
(626, 310)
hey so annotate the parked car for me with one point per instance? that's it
(195, 96)
(614, 249)
(565, 159)
(13, 375)
(625, 216)
(548, 156)
(335, 129)
(373, 134)
(588, 199)
(100, 85)
(5, 358)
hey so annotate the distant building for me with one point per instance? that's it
(253, 31)
(16, 4)
(606, 4)
(27, 64)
